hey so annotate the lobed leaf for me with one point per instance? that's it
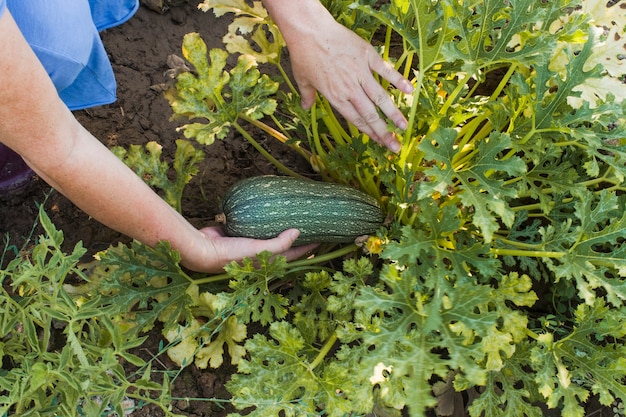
(218, 96)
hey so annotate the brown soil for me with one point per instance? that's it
(138, 51)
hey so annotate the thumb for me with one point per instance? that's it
(287, 238)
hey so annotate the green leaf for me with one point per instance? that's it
(218, 96)
(591, 358)
(345, 287)
(503, 395)
(311, 315)
(554, 173)
(488, 33)
(422, 25)
(432, 240)
(281, 368)
(553, 91)
(155, 172)
(149, 281)
(251, 294)
(401, 340)
(594, 256)
(479, 186)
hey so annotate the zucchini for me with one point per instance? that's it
(262, 207)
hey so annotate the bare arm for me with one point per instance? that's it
(37, 125)
(327, 57)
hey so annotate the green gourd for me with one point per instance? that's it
(262, 207)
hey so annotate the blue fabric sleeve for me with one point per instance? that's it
(109, 13)
(3, 5)
(75, 59)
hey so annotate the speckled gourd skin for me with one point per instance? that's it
(262, 207)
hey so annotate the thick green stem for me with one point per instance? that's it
(453, 96)
(503, 82)
(533, 246)
(317, 260)
(276, 135)
(386, 48)
(286, 78)
(338, 133)
(527, 253)
(407, 151)
(317, 144)
(323, 352)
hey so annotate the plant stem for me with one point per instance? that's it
(519, 244)
(388, 32)
(338, 133)
(286, 78)
(315, 133)
(316, 260)
(323, 351)
(408, 134)
(276, 135)
(527, 253)
(282, 168)
(452, 97)
(503, 81)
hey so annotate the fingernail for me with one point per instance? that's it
(402, 124)
(395, 147)
(407, 87)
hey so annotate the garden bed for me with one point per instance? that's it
(138, 51)
(498, 196)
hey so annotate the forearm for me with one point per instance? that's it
(102, 186)
(36, 124)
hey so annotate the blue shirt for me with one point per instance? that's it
(64, 36)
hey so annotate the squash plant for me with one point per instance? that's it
(501, 269)
(62, 349)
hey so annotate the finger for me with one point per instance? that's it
(298, 251)
(389, 73)
(366, 119)
(383, 101)
(279, 244)
(352, 115)
(307, 96)
(283, 241)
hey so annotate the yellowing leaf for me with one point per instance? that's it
(231, 333)
(268, 50)
(201, 343)
(250, 20)
(602, 15)
(221, 7)
(184, 352)
(609, 53)
(495, 345)
(594, 89)
(217, 96)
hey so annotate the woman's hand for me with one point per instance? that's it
(327, 57)
(218, 249)
(339, 64)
